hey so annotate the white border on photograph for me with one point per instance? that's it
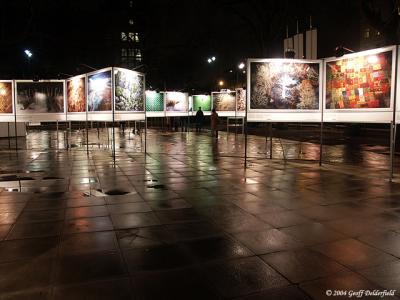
(283, 115)
(120, 115)
(40, 117)
(361, 115)
(9, 117)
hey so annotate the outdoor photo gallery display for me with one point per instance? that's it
(129, 95)
(284, 90)
(40, 101)
(359, 87)
(6, 100)
(224, 103)
(176, 104)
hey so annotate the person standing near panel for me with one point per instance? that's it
(199, 120)
(214, 123)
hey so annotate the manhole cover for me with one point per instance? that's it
(116, 192)
(157, 186)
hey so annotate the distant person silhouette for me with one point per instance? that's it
(214, 123)
(199, 120)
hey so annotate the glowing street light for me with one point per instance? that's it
(28, 53)
(221, 83)
(211, 59)
(241, 65)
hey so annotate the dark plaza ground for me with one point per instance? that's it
(187, 221)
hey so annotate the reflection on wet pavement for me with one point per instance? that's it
(187, 221)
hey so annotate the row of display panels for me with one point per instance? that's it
(95, 96)
(357, 87)
(226, 103)
(92, 96)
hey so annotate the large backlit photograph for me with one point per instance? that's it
(284, 85)
(224, 101)
(40, 97)
(154, 101)
(76, 94)
(6, 98)
(129, 91)
(176, 101)
(203, 101)
(99, 92)
(359, 82)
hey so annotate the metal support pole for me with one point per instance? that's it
(57, 133)
(270, 140)
(392, 147)
(321, 143)
(8, 134)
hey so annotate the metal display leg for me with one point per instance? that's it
(392, 148)
(321, 143)
(270, 140)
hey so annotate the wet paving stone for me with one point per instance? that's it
(276, 230)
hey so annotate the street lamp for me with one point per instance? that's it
(211, 59)
(28, 53)
(241, 66)
(221, 83)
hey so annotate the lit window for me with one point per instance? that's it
(138, 53)
(123, 52)
(367, 33)
(123, 36)
(378, 33)
(130, 22)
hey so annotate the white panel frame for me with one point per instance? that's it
(120, 115)
(224, 113)
(284, 115)
(9, 117)
(39, 117)
(362, 115)
(176, 113)
(104, 116)
(76, 116)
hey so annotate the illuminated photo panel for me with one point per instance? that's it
(40, 97)
(154, 101)
(240, 99)
(224, 101)
(76, 94)
(203, 101)
(176, 102)
(359, 82)
(129, 91)
(283, 85)
(99, 92)
(6, 97)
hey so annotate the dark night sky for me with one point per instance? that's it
(178, 36)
